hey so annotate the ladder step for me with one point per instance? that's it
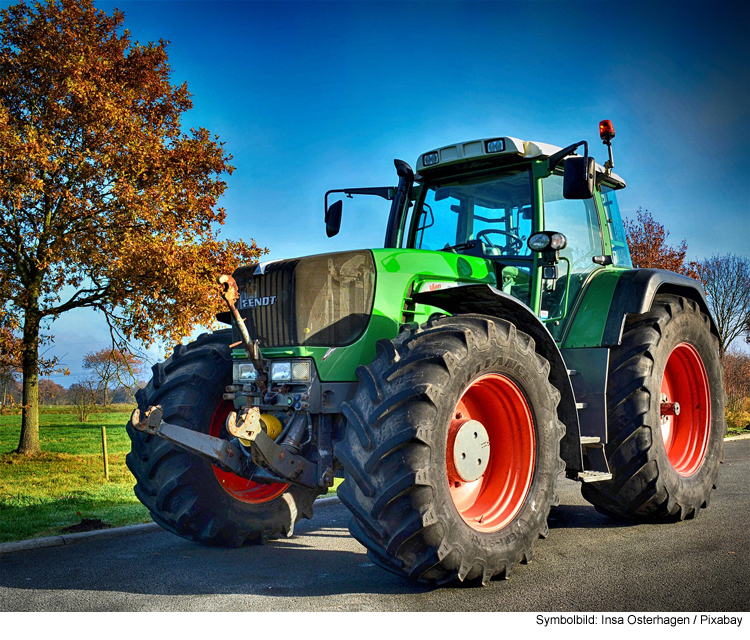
(581, 405)
(590, 440)
(593, 476)
(572, 372)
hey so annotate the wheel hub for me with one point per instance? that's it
(471, 450)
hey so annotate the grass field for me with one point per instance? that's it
(43, 495)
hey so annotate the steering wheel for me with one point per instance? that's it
(514, 242)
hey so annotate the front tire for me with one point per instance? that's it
(664, 466)
(426, 500)
(186, 494)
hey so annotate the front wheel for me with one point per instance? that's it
(186, 494)
(666, 416)
(451, 451)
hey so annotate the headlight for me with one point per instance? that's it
(281, 371)
(245, 372)
(547, 241)
(558, 241)
(495, 146)
(538, 242)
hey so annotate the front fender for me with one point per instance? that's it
(487, 300)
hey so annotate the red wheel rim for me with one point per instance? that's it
(490, 502)
(242, 489)
(685, 435)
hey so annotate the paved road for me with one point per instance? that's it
(588, 563)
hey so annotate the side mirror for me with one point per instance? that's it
(333, 218)
(578, 179)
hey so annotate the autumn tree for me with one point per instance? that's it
(647, 240)
(105, 202)
(113, 367)
(736, 377)
(51, 393)
(726, 280)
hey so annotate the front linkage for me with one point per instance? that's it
(251, 453)
(265, 463)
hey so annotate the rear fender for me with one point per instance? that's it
(635, 292)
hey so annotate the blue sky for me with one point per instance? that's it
(315, 96)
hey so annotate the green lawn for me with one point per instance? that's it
(40, 496)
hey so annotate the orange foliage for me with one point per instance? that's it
(102, 194)
(10, 344)
(647, 240)
(51, 393)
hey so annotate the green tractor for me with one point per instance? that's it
(499, 338)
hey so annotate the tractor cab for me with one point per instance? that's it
(497, 199)
(489, 198)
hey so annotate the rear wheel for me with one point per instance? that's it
(186, 494)
(666, 415)
(451, 451)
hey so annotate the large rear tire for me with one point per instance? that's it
(186, 494)
(451, 451)
(664, 466)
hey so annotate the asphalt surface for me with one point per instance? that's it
(589, 563)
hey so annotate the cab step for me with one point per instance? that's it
(593, 476)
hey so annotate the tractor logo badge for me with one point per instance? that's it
(249, 301)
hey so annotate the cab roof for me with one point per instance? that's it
(487, 148)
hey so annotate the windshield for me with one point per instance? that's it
(483, 217)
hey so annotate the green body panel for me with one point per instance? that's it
(586, 326)
(399, 273)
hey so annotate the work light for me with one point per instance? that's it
(495, 146)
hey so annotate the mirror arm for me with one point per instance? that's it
(384, 192)
(555, 158)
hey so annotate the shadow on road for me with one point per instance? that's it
(310, 564)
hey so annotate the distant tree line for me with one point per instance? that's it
(113, 376)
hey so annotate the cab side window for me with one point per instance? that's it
(579, 222)
(620, 249)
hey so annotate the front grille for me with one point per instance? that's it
(323, 300)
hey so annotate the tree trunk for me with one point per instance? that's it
(29, 442)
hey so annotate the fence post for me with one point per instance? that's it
(104, 451)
